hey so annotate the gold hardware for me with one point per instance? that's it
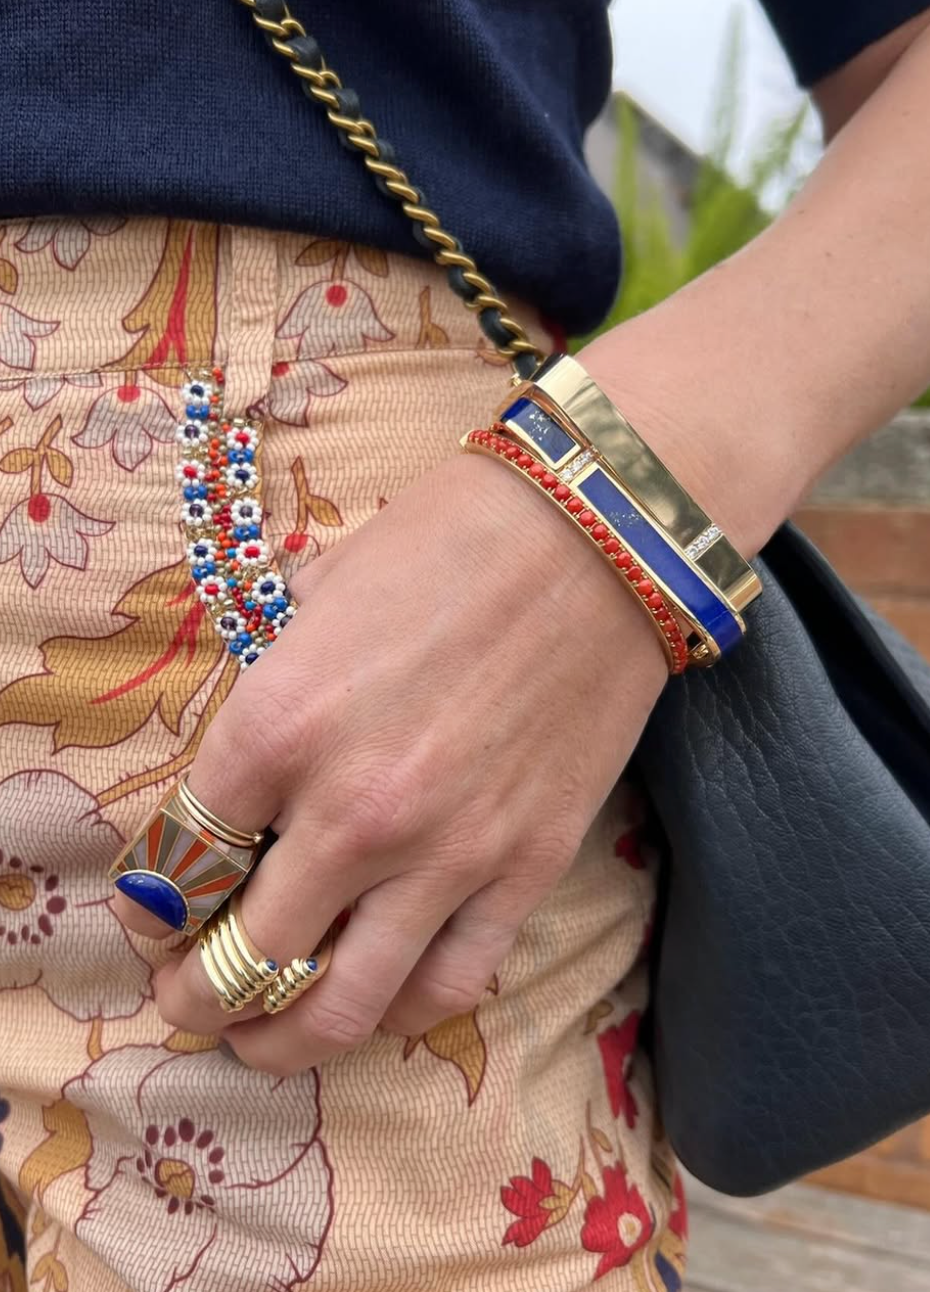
(324, 85)
(468, 446)
(214, 824)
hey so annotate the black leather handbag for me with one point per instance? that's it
(792, 979)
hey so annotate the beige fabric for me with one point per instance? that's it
(511, 1150)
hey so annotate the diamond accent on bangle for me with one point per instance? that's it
(703, 541)
(576, 466)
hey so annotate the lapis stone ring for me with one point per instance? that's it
(185, 862)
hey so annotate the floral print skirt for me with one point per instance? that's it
(514, 1149)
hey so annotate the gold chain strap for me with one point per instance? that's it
(324, 85)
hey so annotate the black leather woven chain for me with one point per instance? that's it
(287, 36)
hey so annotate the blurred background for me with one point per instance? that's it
(705, 140)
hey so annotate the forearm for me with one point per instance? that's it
(756, 377)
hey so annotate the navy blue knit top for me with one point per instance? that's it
(175, 107)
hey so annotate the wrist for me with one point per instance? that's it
(512, 522)
(714, 441)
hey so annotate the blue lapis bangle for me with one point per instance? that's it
(565, 418)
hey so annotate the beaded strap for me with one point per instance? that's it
(231, 564)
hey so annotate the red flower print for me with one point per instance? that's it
(528, 1199)
(617, 1044)
(618, 1224)
(678, 1220)
(46, 528)
(332, 317)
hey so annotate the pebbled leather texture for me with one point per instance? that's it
(792, 996)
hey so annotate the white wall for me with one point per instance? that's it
(667, 55)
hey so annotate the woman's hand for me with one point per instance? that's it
(436, 730)
(431, 738)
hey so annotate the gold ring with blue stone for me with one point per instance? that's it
(299, 976)
(185, 862)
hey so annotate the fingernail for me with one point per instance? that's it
(228, 1052)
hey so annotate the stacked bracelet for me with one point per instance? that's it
(562, 416)
(495, 443)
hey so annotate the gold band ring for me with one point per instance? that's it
(213, 824)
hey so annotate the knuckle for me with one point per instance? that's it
(470, 852)
(482, 841)
(458, 870)
(333, 1025)
(384, 809)
(280, 741)
(189, 1014)
(172, 1014)
(553, 852)
(446, 999)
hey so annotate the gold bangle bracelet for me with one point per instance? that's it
(571, 396)
(704, 650)
(590, 445)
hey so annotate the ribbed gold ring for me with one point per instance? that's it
(297, 977)
(237, 970)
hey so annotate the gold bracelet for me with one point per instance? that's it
(562, 415)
